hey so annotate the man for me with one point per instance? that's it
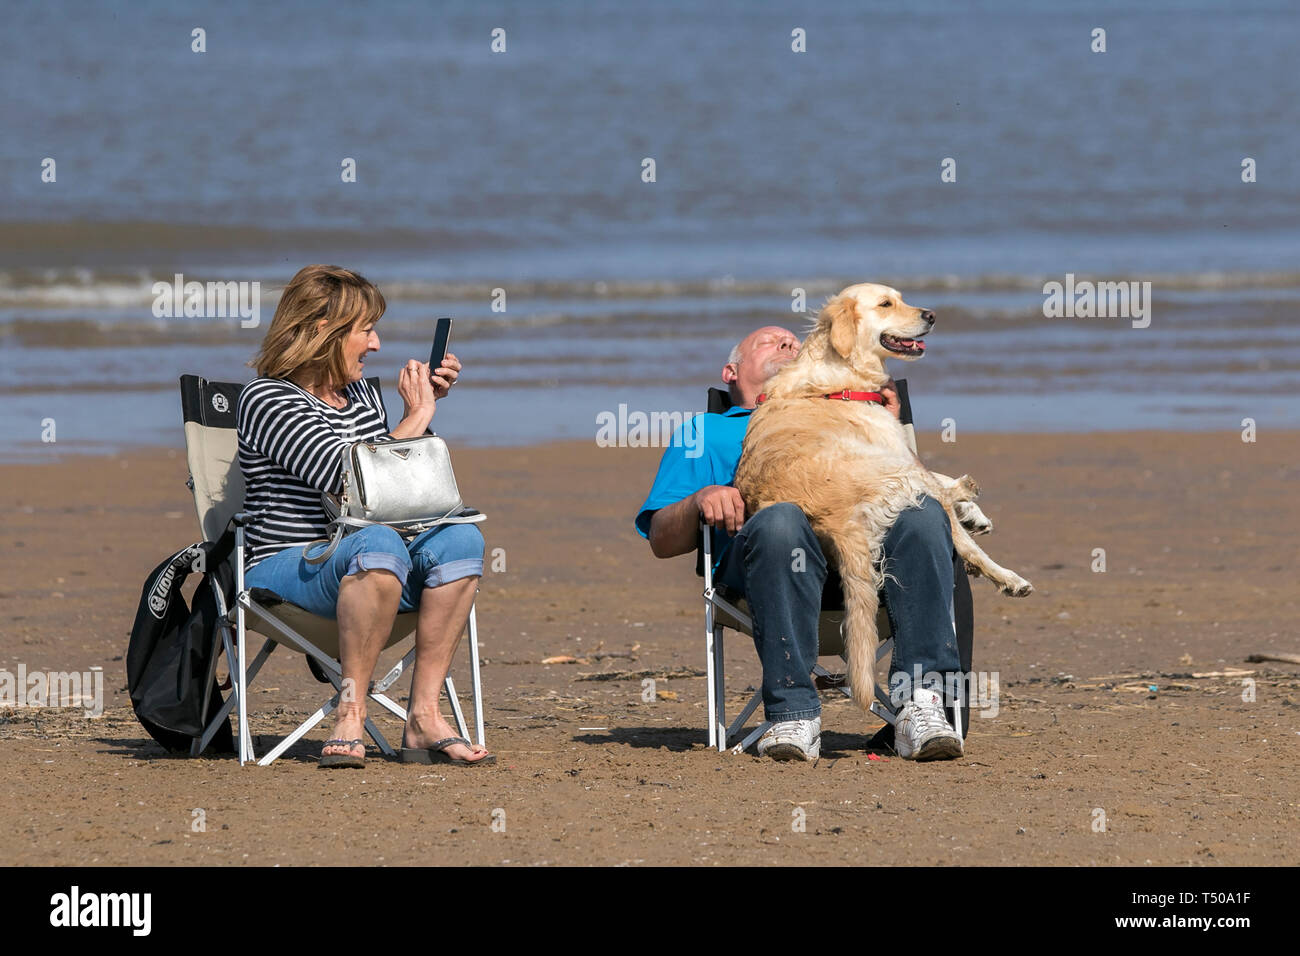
(755, 558)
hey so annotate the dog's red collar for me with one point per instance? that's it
(844, 396)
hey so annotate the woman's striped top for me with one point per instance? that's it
(290, 443)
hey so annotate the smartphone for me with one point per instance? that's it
(441, 339)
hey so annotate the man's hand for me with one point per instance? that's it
(721, 506)
(890, 392)
(674, 528)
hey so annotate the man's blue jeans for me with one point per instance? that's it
(785, 603)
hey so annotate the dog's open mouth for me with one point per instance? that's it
(902, 346)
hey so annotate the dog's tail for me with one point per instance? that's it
(861, 582)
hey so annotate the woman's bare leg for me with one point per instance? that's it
(443, 612)
(367, 606)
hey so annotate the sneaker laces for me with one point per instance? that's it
(801, 729)
(791, 726)
(929, 717)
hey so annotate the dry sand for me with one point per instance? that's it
(1199, 532)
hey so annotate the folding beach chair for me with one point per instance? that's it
(218, 484)
(724, 608)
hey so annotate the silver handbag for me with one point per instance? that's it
(406, 484)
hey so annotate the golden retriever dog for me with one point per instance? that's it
(848, 464)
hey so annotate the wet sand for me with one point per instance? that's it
(1199, 533)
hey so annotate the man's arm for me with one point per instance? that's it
(673, 527)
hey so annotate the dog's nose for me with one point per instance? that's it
(928, 316)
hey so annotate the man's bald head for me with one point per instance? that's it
(755, 359)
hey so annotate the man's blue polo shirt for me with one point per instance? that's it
(703, 451)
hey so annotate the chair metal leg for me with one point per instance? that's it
(960, 691)
(450, 686)
(717, 670)
(390, 705)
(748, 742)
(391, 677)
(476, 677)
(224, 713)
(380, 741)
(884, 713)
(239, 674)
(200, 743)
(241, 686)
(377, 694)
(739, 723)
(241, 677)
(710, 631)
(819, 671)
(325, 710)
(883, 707)
(197, 745)
(720, 689)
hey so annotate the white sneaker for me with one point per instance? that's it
(923, 731)
(792, 740)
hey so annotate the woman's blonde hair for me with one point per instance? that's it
(297, 342)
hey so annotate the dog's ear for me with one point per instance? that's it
(841, 314)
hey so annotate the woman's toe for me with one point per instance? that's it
(341, 750)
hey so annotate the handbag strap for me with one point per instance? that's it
(335, 526)
(333, 544)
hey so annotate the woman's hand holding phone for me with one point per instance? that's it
(445, 375)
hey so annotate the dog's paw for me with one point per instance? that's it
(1017, 587)
(972, 518)
(966, 488)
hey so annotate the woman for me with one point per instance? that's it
(309, 402)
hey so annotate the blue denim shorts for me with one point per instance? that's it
(440, 555)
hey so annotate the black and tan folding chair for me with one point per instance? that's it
(725, 609)
(218, 484)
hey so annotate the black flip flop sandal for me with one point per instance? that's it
(338, 761)
(438, 754)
